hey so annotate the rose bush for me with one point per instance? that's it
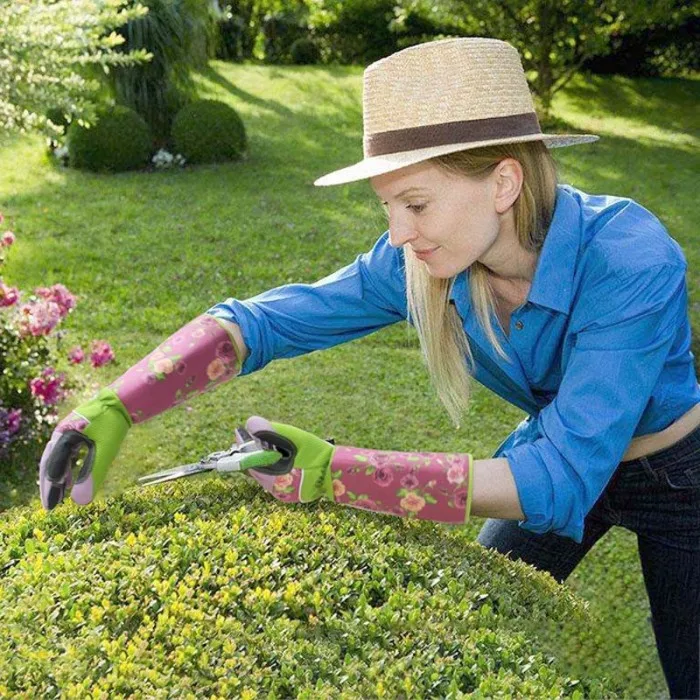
(33, 364)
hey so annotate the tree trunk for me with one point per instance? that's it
(545, 80)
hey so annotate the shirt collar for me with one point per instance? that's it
(553, 283)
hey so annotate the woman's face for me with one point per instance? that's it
(449, 220)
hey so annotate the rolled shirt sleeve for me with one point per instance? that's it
(610, 373)
(294, 319)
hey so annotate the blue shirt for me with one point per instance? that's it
(600, 351)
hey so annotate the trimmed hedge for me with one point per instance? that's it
(118, 140)
(210, 588)
(209, 131)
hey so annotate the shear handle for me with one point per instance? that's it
(286, 448)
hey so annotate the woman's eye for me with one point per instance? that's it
(416, 208)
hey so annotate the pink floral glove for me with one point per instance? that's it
(200, 356)
(425, 485)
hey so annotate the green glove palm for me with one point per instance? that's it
(100, 425)
(310, 456)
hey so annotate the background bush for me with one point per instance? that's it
(653, 52)
(211, 588)
(305, 51)
(177, 35)
(118, 140)
(208, 131)
(281, 30)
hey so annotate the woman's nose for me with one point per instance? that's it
(400, 231)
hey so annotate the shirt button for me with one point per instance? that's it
(519, 325)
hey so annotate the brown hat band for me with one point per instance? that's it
(469, 131)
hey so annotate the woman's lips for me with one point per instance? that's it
(425, 254)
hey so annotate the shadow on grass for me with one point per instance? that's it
(669, 103)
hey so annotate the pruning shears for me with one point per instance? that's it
(247, 454)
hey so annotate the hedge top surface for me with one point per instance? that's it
(211, 587)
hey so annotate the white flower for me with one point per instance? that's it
(162, 159)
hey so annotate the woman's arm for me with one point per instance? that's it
(235, 332)
(495, 494)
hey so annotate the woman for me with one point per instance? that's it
(571, 306)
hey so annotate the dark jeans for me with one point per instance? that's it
(658, 498)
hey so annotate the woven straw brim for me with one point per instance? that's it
(380, 165)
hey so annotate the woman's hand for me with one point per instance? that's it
(426, 485)
(98, 426)
(310, 475)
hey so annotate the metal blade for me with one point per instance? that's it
(176, 473)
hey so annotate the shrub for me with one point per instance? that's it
(32, 383)
(119, 140)
(355, 31)
(280, 30)
(210, 588)
(208, 131)
(305, 51)
(175, 33)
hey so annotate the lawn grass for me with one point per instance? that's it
(147, 252)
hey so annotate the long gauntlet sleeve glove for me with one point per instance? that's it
(425, 485)
(200, 356)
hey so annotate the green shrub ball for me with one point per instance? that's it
(118, 140)
(208, 131)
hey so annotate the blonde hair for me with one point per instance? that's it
(442, 339)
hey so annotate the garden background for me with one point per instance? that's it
(146, 251)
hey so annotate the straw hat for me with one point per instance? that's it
(441, 97)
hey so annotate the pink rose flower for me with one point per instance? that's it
(8, 238)
(215, 369)
(461, 499)
(48, 388)
(59, 295)
(413, 502)
(76, 355)
(12, 420)
(38, 317)
(410, 481)
(225, 351)
(383, 476)
(8, 295)
(283, 481)
(338, 488)
(164, 366)
(455, 474)
(101, 353)
(381, 459)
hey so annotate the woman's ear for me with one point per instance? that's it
(509, 182)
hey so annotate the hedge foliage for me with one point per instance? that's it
(211, 588)
(209, 131)
(118, 140)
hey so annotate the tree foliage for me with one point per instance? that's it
(555, 37)
(48, 51)
(175, 33)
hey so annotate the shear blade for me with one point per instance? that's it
(176, 473)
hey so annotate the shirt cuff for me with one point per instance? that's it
(238, 313)
(536, 493)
